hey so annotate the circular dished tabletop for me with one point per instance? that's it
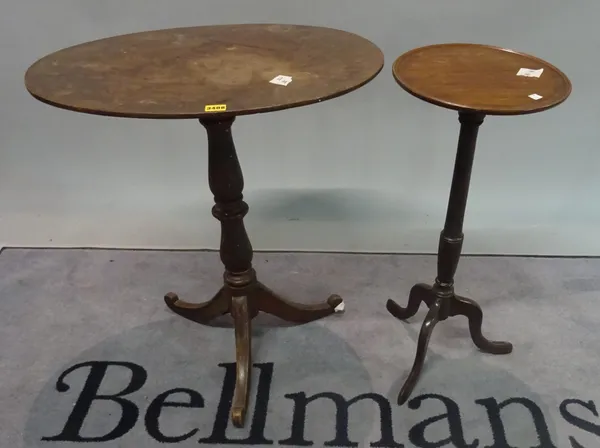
(194, 72)
(481, 78)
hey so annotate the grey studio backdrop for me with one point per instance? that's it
(369, 171)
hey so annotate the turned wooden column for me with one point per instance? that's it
(226, 183)
(451, 237)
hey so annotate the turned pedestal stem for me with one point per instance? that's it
(451, 237)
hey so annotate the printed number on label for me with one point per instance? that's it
(215, 107)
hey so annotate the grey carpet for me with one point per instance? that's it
(98, 316)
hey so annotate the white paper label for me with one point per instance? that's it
(530, 73)
(535, 96)
(281, 80)
(340, 308)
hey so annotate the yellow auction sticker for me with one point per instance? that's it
(215, 107)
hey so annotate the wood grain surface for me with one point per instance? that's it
(480, 78)
(177, 73)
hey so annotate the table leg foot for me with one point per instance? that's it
(431, 320)
(461, 306)
(199, 312)
(241, 318)
(272, 303)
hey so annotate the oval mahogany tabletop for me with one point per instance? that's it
(193, 72)
(481, 78)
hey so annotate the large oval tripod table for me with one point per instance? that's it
(214, 74)
(475, 81)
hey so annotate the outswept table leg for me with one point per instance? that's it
(243, 349)
(270, 302)
(200, 312)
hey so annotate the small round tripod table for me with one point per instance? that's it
(214, 74)
(475, 80)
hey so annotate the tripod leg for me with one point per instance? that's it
(418, 293)
(431, 320)
(199, 312)
(461, 306)
(272, 303)
(243, 350)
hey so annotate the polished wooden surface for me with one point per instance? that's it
(177, 73)
(480, 78)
